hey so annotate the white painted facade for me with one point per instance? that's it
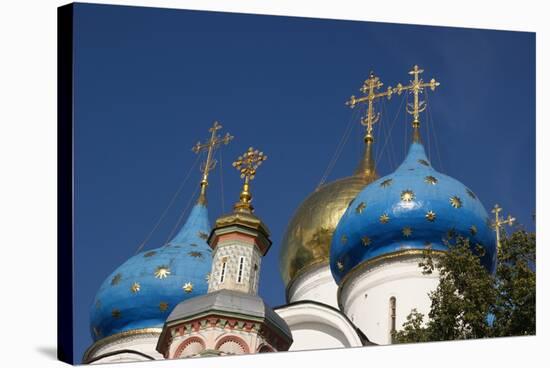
(316, 326)
(372, 300)
(235, 266)
(365, 296)
(144, 342)
(313, 316)
(316, 284)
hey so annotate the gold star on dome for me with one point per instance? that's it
(360, 207)
(407, 231)
(207, 277)
(430, 180)
(384, 218)
(470, 193)
(451, 233)
(163, 306)
(456, 202)
(135, 288)
(202, 235)
(430, 216)
(150, 254)
(366, 241)
(407, 195)
(96, 331)
(116, 279)
(344, 239)
(162, 272)
(473, 230)
(195, 254)
(386, 183)
(340, 265)
(187, 287)
(116, 313)
(424, 162)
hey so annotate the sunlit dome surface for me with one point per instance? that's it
(306, 242)
(142, 292)
(413, 208)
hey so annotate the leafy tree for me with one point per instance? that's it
(471, 303)
(413, 330)
(515, 307)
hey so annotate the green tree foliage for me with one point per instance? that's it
(515, 307)
(469, 302)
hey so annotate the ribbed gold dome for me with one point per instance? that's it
(306, 243)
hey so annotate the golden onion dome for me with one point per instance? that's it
(306, 243)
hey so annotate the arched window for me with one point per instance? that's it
(392, 315)
(241, 269)
(222, 273)
(254, 277)
(190, 347)
(232, 345)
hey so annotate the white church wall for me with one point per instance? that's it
(141, 342)
(317, 284)
(315, 326)
(309, 336)
(365, 297)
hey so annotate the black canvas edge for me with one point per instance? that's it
(65, 310)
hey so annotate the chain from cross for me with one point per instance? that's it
(370, 90)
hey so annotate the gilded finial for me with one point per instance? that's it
(416, 87)
(247, 164)
(211, 145)
(370, 90)
(499, 222)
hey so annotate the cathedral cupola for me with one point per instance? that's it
(137, 297)
(231, 318)
(380, 239)
(304, 255)
(240, 239)
(411, 209)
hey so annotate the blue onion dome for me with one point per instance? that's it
(413, 208)
(142, 292)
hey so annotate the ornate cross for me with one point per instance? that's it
(500, 222)
(370, 88)
(210, 146)
(416, 87)
(247, 164)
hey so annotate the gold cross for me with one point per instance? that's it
(416, 87)
(370, 88)
(210, 146)
(247, 164)
(500, 222)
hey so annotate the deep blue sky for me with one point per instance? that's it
(149, 82)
